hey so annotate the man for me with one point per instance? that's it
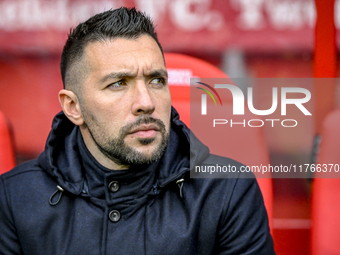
(114, 176)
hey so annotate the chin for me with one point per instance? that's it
(148, 152)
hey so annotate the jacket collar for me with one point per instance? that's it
(67, 159)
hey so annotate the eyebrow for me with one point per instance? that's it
(158, 72)
(118, 75)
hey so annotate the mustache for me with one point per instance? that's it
(125, 130)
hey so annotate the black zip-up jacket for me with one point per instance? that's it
(65, 202)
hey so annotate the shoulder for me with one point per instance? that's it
(228, 181)
(229, 187)
(236, 196)
(25, 180)
(22, 169)
(23, 174)
(227, 178)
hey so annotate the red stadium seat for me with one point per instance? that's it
(325, 230)
(246, 145)
(7, 157)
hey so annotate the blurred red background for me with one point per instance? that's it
(245, 38)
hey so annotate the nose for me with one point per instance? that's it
(143, 101)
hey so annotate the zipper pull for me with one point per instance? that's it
(180, 184)
(59, 189)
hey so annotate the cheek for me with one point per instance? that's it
(107, 119)
(105, 110)
(166, 108)
(166, 98)
(164, 102)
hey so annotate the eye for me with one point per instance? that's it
(158, 81)
(118, 84)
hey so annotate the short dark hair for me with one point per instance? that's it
(119, 23)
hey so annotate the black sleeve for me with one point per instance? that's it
(244, 225)
(9, 243)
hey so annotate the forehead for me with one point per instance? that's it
(121, 53)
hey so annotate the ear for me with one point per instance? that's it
(70, 104)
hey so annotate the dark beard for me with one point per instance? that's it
(119, 152)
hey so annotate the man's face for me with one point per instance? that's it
(125, 99)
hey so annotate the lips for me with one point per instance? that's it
(145, 131)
